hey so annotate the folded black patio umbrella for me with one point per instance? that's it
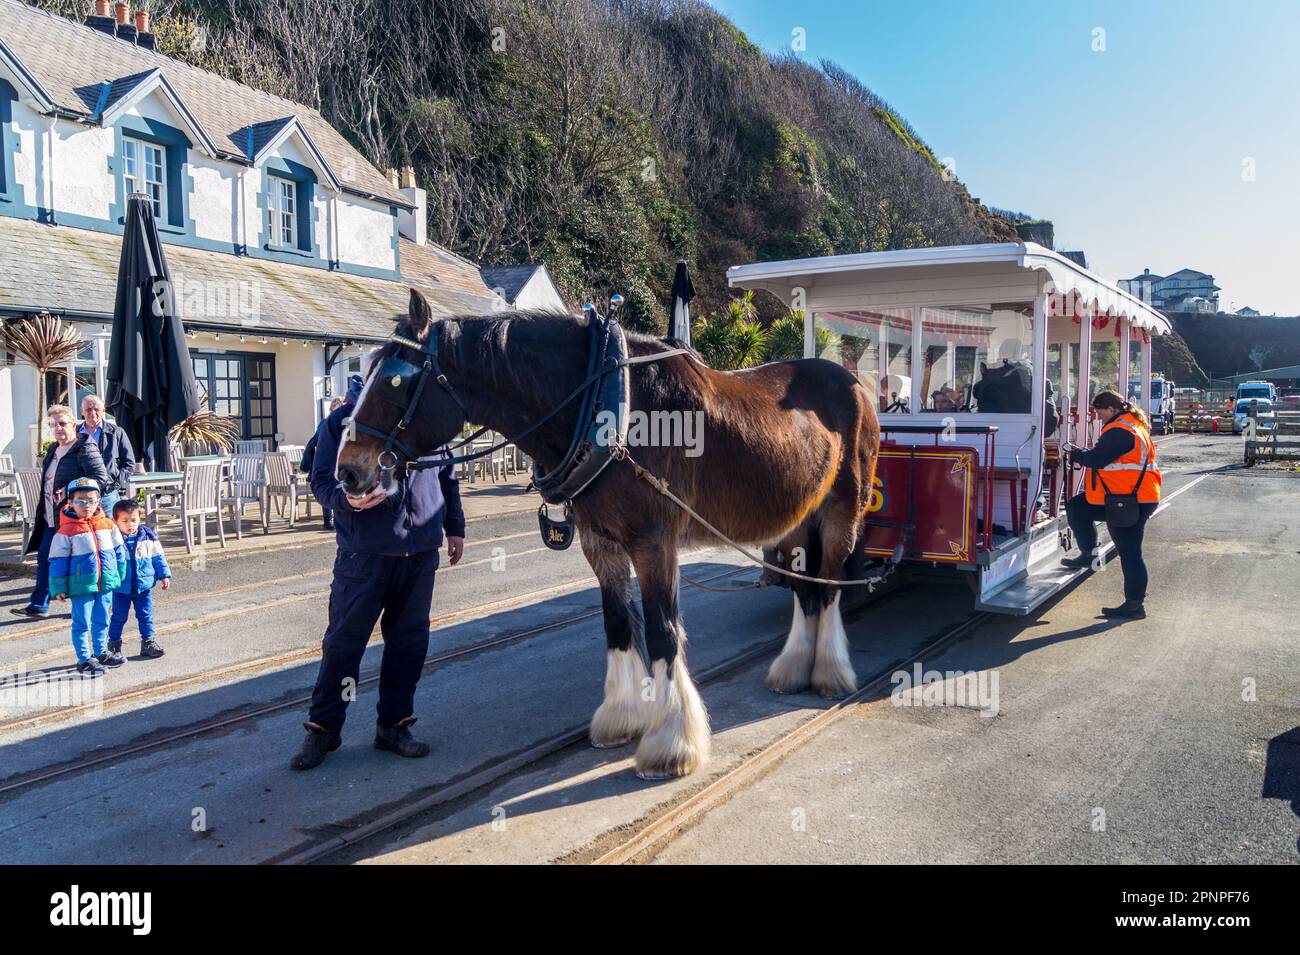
(151, 383)
(683, 292)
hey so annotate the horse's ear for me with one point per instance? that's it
(421, 316)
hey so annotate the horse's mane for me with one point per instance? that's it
(541, 353)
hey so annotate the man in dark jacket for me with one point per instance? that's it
(71, 456)
(384, 570)
(114, 447)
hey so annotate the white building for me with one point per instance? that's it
(525, 287)
(290, 253)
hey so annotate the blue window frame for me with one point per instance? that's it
(288, 228)
(151, 158)
(8, 141)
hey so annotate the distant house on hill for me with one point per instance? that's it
(290, 253)
(1247, 312)
(1186, 290)
(525, 287)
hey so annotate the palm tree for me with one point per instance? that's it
(785, 337)
(45, 343)
(205, 432)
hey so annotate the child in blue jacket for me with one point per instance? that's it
(145, 565)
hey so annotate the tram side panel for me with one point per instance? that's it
(923, 505)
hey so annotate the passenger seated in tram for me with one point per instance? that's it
(946, 398)
(1006, 388)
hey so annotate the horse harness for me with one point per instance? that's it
(605, 391)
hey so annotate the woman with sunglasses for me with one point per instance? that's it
(71, 456)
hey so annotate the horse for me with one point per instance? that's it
(787, 459)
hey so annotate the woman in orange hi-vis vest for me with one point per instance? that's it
(1122, 463)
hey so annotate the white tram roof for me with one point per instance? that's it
(944, 275)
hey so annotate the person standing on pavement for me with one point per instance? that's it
(1123, 462)
(114, 447)
(71, 456)
(388, 543)
(309, 452)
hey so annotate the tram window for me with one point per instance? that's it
(877, 347)
(1134, 360)
(977, 358)
(1104, 371)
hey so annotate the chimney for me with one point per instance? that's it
(125, 28)
(142, 35)
(102, 19)
(414, 224)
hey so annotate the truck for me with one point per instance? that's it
(1161, 410)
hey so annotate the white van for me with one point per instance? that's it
(1257, 389)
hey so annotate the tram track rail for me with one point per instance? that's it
(498, 771)
(223, 721)
(61, 625)
(652, 837)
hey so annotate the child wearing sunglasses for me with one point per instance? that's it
(87, 562)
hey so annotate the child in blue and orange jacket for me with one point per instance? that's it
(87, 562)
(146, 564)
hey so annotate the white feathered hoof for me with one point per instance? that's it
(791, 672)
(679, 742)
(832, 672)
(623, 715)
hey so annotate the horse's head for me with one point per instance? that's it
(403, 411)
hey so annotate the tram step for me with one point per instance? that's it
(1044, 580)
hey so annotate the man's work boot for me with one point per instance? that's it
(319, 743)
(1128, 610)
(1077, 563)
(398, 739)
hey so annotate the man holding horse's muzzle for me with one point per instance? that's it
(388, 544)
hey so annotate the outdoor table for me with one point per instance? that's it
(154, 483)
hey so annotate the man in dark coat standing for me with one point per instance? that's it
(114, 447)
(387, 557)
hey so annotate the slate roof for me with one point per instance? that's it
(66, 270)
(251, 139)
(511, 279)
(74, 62)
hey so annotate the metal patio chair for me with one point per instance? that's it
(283, 486)
(246, 485)
(200, 498)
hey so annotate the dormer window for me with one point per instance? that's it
(144, 169)
(282, 206)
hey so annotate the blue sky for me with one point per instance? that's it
(1140, 153)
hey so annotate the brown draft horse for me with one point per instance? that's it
(788, 456)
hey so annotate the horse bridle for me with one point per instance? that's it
(395, 378)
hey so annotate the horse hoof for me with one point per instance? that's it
(784, 688)
(655, 777)
(611, 743)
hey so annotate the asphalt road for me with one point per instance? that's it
(1139, 721)
(1172, 739)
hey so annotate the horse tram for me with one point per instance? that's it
(973, 357)
(926, 405)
